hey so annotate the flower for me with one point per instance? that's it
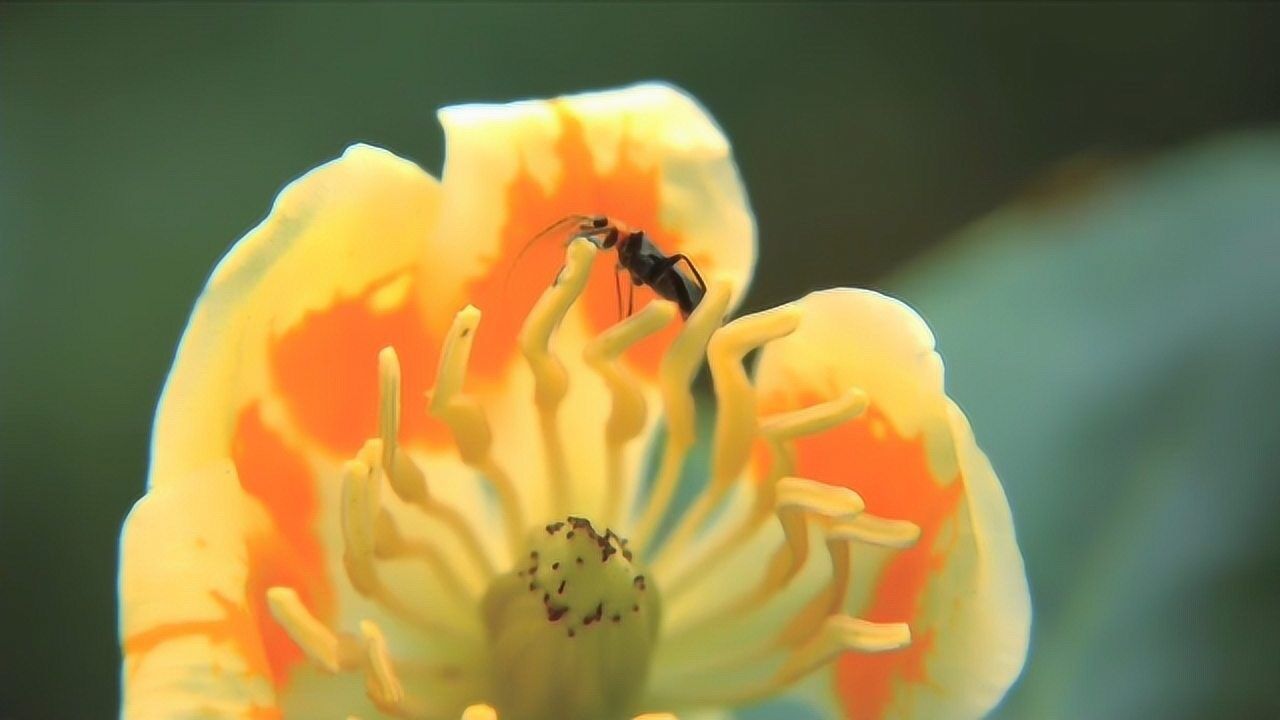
(364, 500)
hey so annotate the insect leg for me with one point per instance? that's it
(617, 288)
(671, 261)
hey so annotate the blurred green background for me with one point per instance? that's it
(1114, 332)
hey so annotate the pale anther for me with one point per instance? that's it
(841, 634)
(466, 419)
(319, 643)
(873, 530)
(814, 418)
(380, 678)
(405, 477)
(359, 506)
(818, 497)
(479, 712)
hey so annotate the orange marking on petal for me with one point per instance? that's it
(892, 475)
(263, 712)
(236, 627)
(291, 553)
(628, 193)
(326, 368)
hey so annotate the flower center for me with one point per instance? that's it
(572, 628)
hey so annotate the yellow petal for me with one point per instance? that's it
(911, 456)
(189, 632)
(270, 380)
(300, 307)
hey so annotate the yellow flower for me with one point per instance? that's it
(367, 501)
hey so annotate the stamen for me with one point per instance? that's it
(320, 644)
(406, 479)
(479, 712)
(381, 681)
(736, 420)
(675, 375)
(799, 502)
(778, 430)
(826, 603)
(466, 419)
(390, 544)
(840, 634)
(551, 381)
(627, 418)
(359, 504)
(884, 532)
(360, 507)
(815, 418)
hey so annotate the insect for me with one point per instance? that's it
(641, 259)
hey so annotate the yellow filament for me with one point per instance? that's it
(837, 634)
(675, 375)
(736, 420)
(390, 543)
(826, 603)
(360, 509)
(551, 381)
(798, 503)
(628, 413)
(778, 430)
(406, 479)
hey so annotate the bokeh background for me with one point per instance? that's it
(1083, 200)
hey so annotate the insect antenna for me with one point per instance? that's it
(557, 225)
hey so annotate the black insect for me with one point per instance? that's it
(641, 259)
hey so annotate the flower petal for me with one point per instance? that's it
(190, 638)
(275, 379)
(648, 156)
(300, 307)
(912, 457)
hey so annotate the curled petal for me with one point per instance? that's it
(961, 587)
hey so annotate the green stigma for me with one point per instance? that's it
(571, 629)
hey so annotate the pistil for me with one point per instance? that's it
(571, 629)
